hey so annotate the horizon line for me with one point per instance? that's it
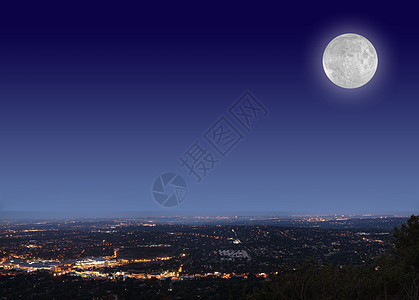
(15, 214)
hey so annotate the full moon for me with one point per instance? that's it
(350, 60)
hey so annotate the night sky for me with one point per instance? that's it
(97, 101)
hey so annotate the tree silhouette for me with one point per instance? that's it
(408, 235)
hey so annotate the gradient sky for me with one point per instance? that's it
(96, 101)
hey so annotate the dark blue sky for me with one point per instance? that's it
(96, 101)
